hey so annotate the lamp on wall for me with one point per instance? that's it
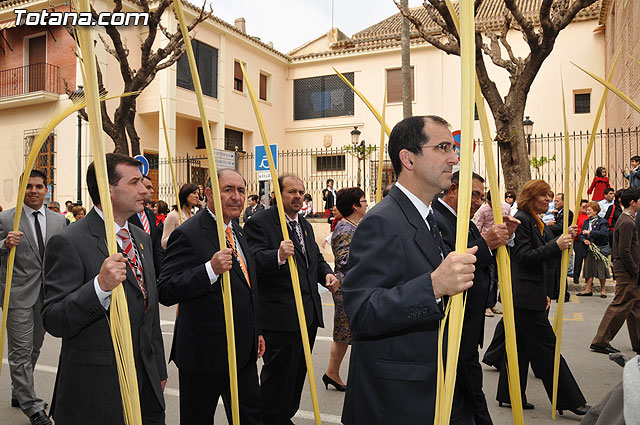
(360, 150)
(355, 136)
(528, 131)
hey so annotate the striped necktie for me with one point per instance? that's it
(130, 251)
(231, 243)
(145, 222)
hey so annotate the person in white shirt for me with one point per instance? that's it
(609, 198)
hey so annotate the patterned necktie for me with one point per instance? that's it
(145, 222)
(39, 235)
(231, 243)
(435, 232)
(130, 251)
(297, 234)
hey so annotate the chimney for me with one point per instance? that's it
(240, 24)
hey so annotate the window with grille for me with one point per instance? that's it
(207, 64)
(330, 163)
(45, 161)
(394, 85)
(264, 86)
(238, 78)
(582, 102)
(233, 140)
(322, 97)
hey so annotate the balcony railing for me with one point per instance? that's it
(28, 79)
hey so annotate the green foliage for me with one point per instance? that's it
(539, 162)
(360, 151)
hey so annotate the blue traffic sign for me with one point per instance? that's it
(144, 168)
(262, 161)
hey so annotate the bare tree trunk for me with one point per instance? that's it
(513, 153)
(407, 93)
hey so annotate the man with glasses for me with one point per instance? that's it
(482, 294)
(394, 289)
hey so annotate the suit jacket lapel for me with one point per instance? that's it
(50, 229)
(422, 236)
(96, 228)
(27, 229)
(210, 230)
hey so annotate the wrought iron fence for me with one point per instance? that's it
(30, 78)
(348, 167)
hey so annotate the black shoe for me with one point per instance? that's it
(603, 350)
(40, 418)
(580, 411)
(14, 402)
(525, 405)
(584, 294)
(328, 381)
(603, 295)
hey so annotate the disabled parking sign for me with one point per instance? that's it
(262, 161)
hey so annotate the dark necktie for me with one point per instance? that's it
(295, 231)
(39, 235)
(435, 232)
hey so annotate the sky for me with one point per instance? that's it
(291, 23)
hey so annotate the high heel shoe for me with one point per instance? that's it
(580, 411)
(328, 381)
(525, 405)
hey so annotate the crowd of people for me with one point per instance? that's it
(395, 268)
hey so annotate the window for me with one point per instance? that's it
(265, 81)
(207, 64)
(582, 103)
(394, 85)
(200, 143)
(238, 78)
(233, 140)
(45, 161)
(322, 97)
(330, 163)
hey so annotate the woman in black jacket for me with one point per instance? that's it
(595, 230)
(534, 249)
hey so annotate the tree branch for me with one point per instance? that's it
(448, 47)
(526, 26)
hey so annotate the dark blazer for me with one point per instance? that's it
(277, 305)
(156, 237)
(249, 211)
(532, 257)
(87, 388)
(328, 198)
(393, 316)
(556, 229)
(477, 295)
(599, 233)
(199, 339)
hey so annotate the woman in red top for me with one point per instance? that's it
(599, 184)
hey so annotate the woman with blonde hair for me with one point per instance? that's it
(534, 249)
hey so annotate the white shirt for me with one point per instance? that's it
(422, 208)
(604, 206)
(213, 277)
(28, 211)
(105, 297)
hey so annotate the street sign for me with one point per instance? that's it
(144, 168)
(264, 176)
(225, 159)
(262, 162)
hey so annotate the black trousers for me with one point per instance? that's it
(579, 252)
(471, 386)
(536, 345)
(496, 350)
(151, 409)
(199, 394)
(283, 374)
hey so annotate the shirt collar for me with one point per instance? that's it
(214, 218)
(448, 207)
(29, 211)
(422, 208)
(289, 219)
(115, 225)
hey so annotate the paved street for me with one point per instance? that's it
(595, 374)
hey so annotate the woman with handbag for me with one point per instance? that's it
(595, 231)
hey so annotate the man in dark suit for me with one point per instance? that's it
(79, 277)
(397, 279)
(254, 206)
(481, 295)
(192, 276)
(556, 225)
(25, 333)
(283, 374)
(146, 220)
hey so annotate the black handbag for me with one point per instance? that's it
(605, 250)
